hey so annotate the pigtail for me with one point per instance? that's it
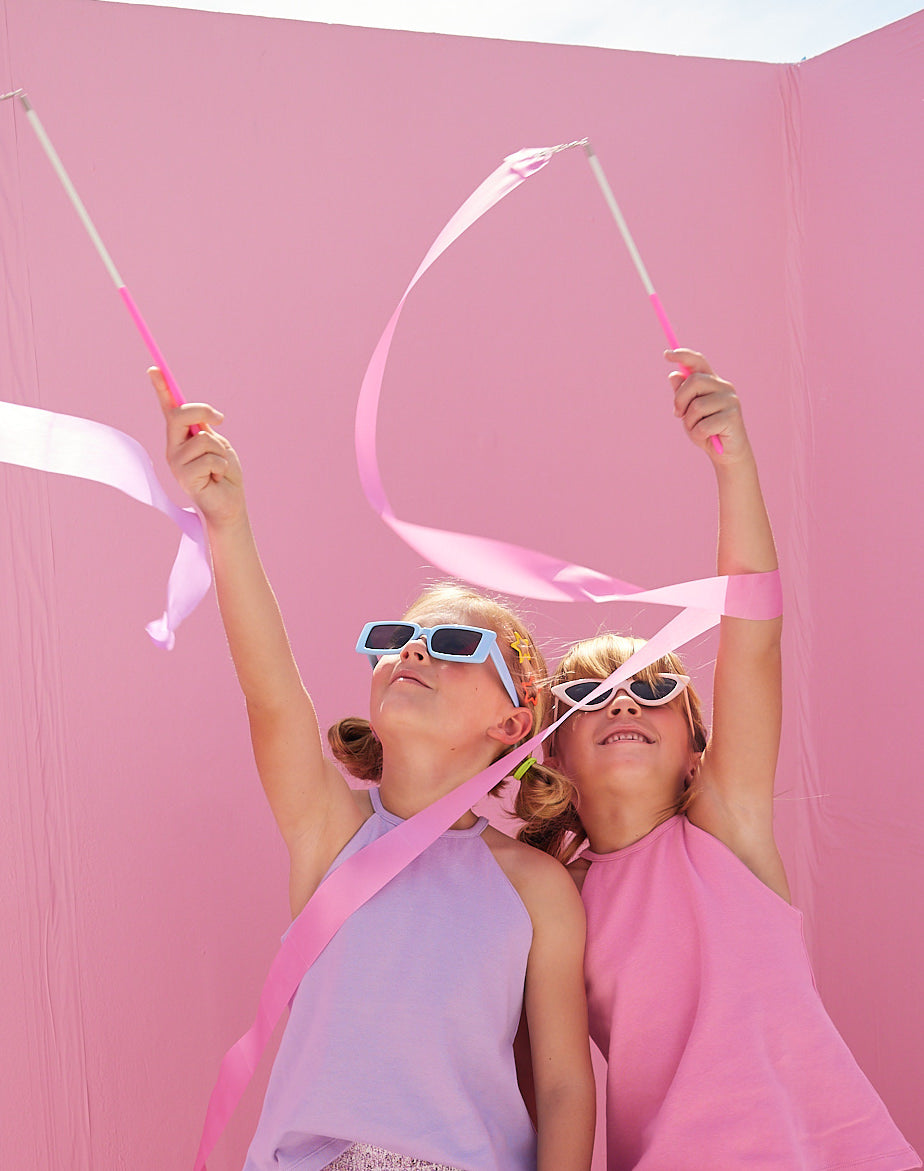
(357, 748)
(545, 803)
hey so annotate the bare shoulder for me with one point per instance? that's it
(540, 880)
(310, 858)
(748, 835)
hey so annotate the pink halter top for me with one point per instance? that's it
(701, 996)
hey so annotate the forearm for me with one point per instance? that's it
(745, 537)
(566, 1117)
(252, 620)
(737, 773)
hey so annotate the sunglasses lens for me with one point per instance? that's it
(459, 641)
(578, 692)
(389, 636)
(660, 689)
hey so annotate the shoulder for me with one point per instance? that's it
(542, 883)
(309, 861)
(748, 835)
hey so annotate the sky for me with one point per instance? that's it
(770, 30)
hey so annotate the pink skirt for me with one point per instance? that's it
(361, 1157)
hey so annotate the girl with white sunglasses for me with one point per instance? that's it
(720, 1053)
(399, 1050)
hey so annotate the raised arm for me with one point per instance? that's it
(313, 806)
(735, 778)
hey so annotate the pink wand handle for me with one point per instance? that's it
(640, 268)
(154, 350)
(674, 345)
(71, 192)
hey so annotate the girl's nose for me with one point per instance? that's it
(415, 649)
(622, 701)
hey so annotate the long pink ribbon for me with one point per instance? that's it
(492, 564)
(499, 565)
(71, 446)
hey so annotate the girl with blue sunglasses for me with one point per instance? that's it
(399, 1050)
(720, 1053)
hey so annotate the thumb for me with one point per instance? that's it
(695, 362)
(164, 397)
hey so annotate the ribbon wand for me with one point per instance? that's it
(71, 190)
(637, 260)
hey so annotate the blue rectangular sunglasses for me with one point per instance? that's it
(457, 644)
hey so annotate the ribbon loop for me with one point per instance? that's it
(70, 446)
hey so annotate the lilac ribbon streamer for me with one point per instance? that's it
(71, 446)
(495, 565)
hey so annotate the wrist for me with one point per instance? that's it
(735, 461)
(227, 526)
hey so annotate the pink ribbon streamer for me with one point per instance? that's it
(495, 565)
(71, 446)
(499, 565)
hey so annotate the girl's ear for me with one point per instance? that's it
(513, 728)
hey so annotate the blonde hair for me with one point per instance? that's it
(356, 746)
(562, 834)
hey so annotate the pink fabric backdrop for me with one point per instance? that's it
(267, 189)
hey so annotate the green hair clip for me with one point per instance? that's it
(522, 769)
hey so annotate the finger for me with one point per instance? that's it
(159, 382)
(203, 472)
(724, 403)
(716, 424)
(705, 407)
(181, 420)
(699, 386)
(200, 413)
(676, 379)
(695, 362)
(189, 420)
(205, 443)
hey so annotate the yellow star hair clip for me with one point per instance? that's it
(520, 644)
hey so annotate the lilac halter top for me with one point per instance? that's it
(401, 1034)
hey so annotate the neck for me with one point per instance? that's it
(413, 779)
(612, 824)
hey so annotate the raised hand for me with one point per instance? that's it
(708, 406)
(205, 464)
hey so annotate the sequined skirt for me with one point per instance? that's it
(361, 1157)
